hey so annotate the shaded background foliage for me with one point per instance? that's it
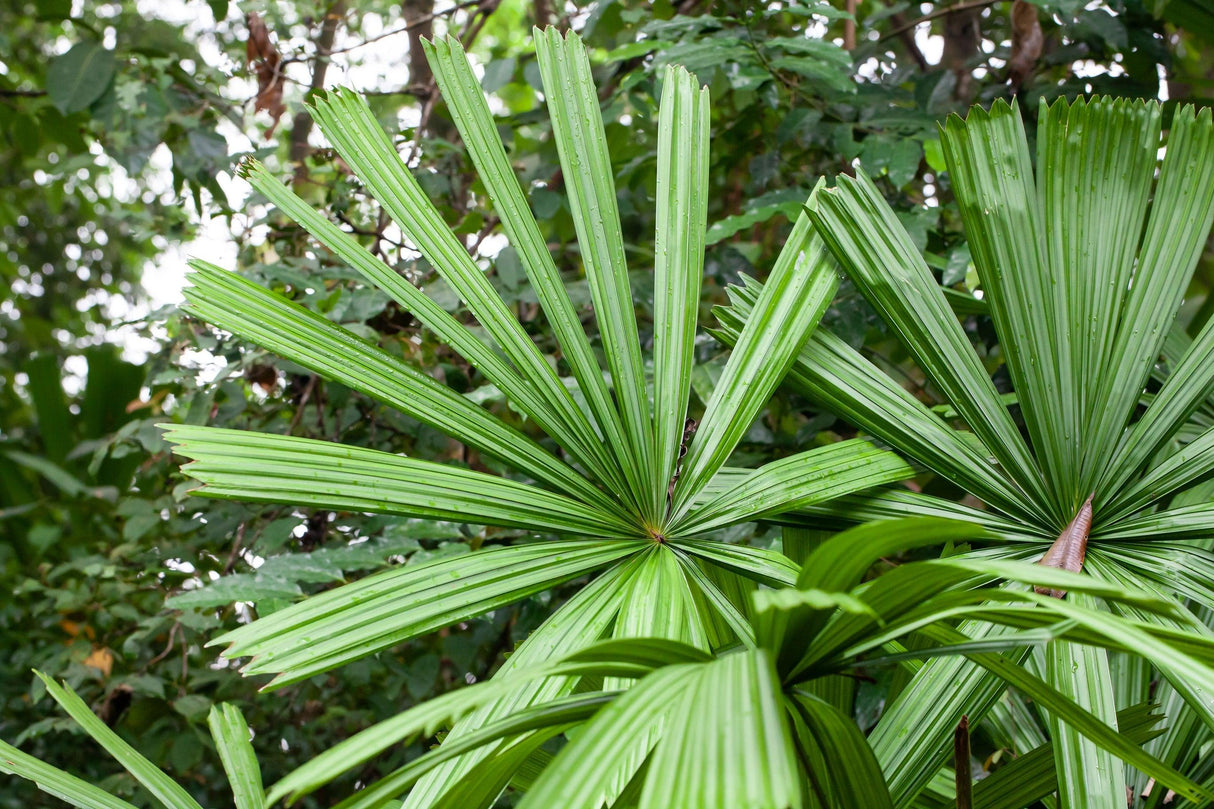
(120, 126)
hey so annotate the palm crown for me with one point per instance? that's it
(625, 496)
(1084, 265)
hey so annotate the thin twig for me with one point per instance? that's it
(422, 20)
(303, 403)
(940, 12)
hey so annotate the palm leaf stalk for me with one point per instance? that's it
(1084, 264)
(628, 497)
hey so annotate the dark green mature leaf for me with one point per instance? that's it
(682, 197)
(1078, 717)
(458, 336)
(472, 117)
(866, 238)
(796, 482)
(584, 618)
(599, 762)
(740, 758)
(349, 124)
(831, 372)
(1181, 214)
(247, 309)
(79, 77)
(797, 293)
(531, 726)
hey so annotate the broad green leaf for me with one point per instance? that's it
(1178, 471)
(1031, 776)
(682, 211)
(914, 736)
(74, 80)
(896, 503)
(729, 613)
(579, 622)
(517, 765)
(237, 464)
(536, 723)
(836, 566)
(1182, 211)
(168, 792)
(1077, 717)
(832, 373)
(988, 157)
(344, 117)
(577, 128)
(54, 781)
(232, 741)
(341, 625)
(1170, 525)
(761, 565)
(1187, 387)
(659, 602)
(1088, 776)
(349, 124)
(634, 658)
(1095, 166)
(1181, 569)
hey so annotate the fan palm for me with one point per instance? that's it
(1084, 265)
(633, 493)
(759, 725)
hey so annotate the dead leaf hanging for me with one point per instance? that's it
(267, 63)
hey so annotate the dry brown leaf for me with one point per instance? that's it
(101, 659)
(267, 63)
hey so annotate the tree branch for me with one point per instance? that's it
(301, 126)
(940, 12)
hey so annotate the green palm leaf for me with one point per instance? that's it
(348, 123)
(797, 293)
(577, 128)
(165, 790)
(878, 255)
(246, 309)
(470, 111)
(55, 782)
(279, 468)
(682, 197)
(231, 735)
(395, 605)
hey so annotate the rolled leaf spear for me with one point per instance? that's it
(1069, 548)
